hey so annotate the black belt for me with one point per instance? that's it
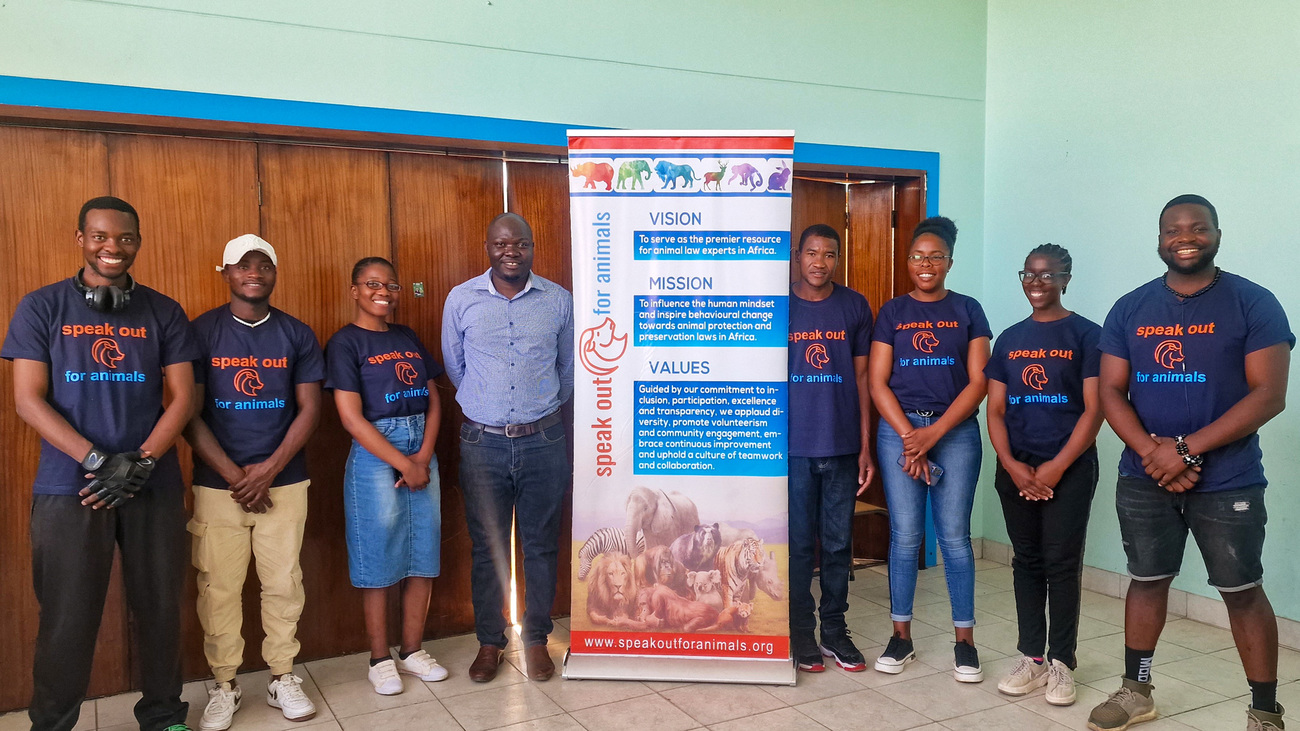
(518, 430)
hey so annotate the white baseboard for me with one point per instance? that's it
(1207, 610)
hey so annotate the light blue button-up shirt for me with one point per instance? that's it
(511, 360)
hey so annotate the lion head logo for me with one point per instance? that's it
(1169, 353)
(406, 372)
(248, 382)
(106, 353)
(599, 348)
(925, 341)
(816, 356)
(1034, 376)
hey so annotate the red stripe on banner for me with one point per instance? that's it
(682, 143)
(749, 647)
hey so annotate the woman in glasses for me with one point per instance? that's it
(382, 378)
(926, 370)
(1043, 419)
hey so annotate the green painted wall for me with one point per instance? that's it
(1098, 112)
(847, 73)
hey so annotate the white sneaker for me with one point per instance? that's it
(1025, 678)
(223, 701)
(421, 665)
(1060, 684)
(385, 678)
(286, 694)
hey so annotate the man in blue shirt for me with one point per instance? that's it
(830, 463)
(1193, 364)
(260, 383)
(93, 355)
(507, 339)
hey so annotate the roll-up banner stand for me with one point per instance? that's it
(681, 279)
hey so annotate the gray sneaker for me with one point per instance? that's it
(1257, 720)
(1128, 706)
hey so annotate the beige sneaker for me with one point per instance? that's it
(1264, 721)
(1060, 684)
(1128, 706)
(1026, 677)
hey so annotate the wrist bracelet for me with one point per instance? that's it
(1189, 459)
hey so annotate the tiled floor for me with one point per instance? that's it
(1199, 683)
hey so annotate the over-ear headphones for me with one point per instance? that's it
(104, 298)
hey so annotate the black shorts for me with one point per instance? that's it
(1228, 526)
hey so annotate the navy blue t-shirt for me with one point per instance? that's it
(391, 370)
(1187, 362)
(824, 338)
(106, 373)
(930, 341)
(250, 374)
(1043, 365)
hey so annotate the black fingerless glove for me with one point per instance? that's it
(119, 476)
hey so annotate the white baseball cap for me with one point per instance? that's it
(237, 247)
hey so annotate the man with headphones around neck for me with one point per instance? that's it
(93, 356)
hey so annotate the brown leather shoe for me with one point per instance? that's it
(484, 667)
(539, 663)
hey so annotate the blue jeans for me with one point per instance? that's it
(524, 478)
(951, 499)
(822, 491)
(392, 532)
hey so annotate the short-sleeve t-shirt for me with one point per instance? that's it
(390, 369)
(1043, 365)
(250, 375)
(1187, 363)
(106, 373)
(825, 336)
(930, 341)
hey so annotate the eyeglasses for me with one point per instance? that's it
(1044, 277)
(935, 259)
(390, 286)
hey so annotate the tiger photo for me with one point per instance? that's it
(738, 567)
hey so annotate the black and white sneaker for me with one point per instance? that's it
(841, 648)
(898, 653)
(966, 663)
(806, 653)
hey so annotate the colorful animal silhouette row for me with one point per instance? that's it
(634, 173)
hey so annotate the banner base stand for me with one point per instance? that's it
(678, 669)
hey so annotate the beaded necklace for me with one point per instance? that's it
(1165, 281)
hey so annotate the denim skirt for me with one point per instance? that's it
(392, 532)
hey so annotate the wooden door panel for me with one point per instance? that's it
(870, 265)
(441, 207)
(45, 176)
(323, 209)
(870, 247)
(815, 201)
(540, 193)
(910, 203)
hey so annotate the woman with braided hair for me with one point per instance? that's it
(1044, 414)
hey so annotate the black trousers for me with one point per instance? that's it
(1047, 571)
(72, 557)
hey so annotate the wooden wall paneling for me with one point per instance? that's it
(193, 196)
(45, 176)
(909, 202)
(870, 265)
(540, 193)
(322, 210)
(816, 201)
(441, 207)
